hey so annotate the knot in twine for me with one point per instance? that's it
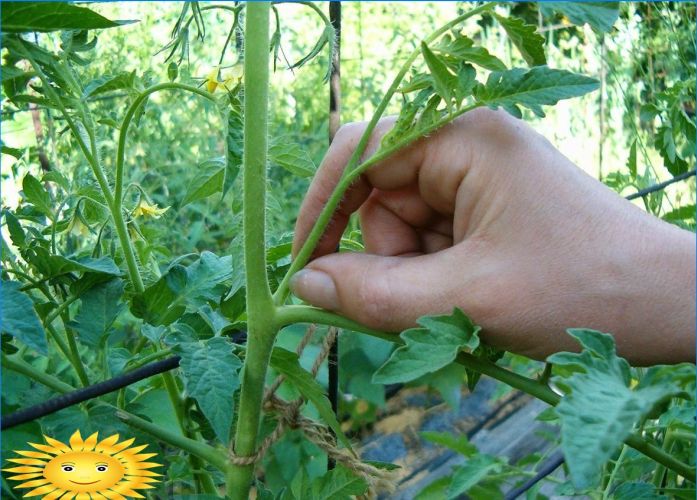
(289, 417)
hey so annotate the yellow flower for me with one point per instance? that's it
(77, 228)
(212, 80)
(235, 74)
(145, 209)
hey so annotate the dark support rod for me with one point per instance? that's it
(334, 124)
(90, 392)
(662, 185)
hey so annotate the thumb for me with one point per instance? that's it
(384, 293)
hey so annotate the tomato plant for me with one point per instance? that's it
(88, 293)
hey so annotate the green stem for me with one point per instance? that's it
(308, 314)
(74, 353)
(59, 341)
(288, 315)
(91, 159)
(20, 366)
(240, 477)
(201, 450)
(201, 476)
(348, 175)
(75, 357)
(260, 310)
(117, 202)
(137, 363)
(660, 469)
(89, 153)
(174, 398)
(615, 468)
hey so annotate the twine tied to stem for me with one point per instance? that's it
(289, 417)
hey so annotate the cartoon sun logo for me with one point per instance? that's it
(85, 470)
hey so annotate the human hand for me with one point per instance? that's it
(487, 215)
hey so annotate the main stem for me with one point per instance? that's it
(260, 309)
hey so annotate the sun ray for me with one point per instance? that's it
(141, 479)
(34, 483)
(54, 494)
(48, 449)
(112, 495)
(105, 445)
(62, 447)
(131, 451)
(91, 442)
(23, 477)
(122, 445)
(27, 461)
(41, 490)
(76, 441)
(85, 469)
(143, 456)
(126, 490)
(34, 454)
(24, 468)
(144, 465)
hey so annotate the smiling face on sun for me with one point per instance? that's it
(84, 471)
(87, 468)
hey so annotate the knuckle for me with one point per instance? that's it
(349, 133)
(492, 119)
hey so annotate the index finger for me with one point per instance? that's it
(397, 171)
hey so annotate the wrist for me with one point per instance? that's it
(651, 309)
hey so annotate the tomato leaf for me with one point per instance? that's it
(462, 48)
(292, 158)
(599, 410)
(287, 363)
(459, 444)
(444, 81)
(430, 347)
(600, 16)
(19, 319)
(339, 483)
(7, 150)
(209, 179)
(631, 161)
(472, 472)
(17, 234)
(24, 17)
(211, 376)
(234, 141)
(664, 142)
(639, 491)
(530, 44)
(181, 287)
(51, 266)
(35, 194)
(100, 307)
(103, 84)
(532, 88)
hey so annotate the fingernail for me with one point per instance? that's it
(315, 287)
